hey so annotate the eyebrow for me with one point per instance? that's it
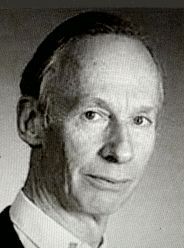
(145, 109)
(95, 102)
(101, 103)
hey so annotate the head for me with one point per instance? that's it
(90, 102)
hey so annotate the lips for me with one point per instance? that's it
(106, 182)
(109, 179)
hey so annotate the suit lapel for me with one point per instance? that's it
(8, 235)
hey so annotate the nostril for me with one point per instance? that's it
(107, 155)
(111, 158)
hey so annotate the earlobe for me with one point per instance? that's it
(29, 121)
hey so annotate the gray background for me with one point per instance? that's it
(154, 216)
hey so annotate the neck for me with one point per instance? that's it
(90, 229)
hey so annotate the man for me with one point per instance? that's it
(91, 97)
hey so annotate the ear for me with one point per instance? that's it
(29, 121)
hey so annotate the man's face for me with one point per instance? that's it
(100, 146)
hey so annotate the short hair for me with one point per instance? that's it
(86, 23)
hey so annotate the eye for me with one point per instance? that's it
(142, 121)
(92, 116)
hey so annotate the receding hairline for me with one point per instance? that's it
(73, 48)
(88, 23)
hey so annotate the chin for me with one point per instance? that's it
(92, 201)
(100, 210)
(104, 210)
(104, 206)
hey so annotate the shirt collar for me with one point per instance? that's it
(40, 228)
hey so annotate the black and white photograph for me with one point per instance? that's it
(92, 133)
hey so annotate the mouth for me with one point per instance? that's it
(107, 183)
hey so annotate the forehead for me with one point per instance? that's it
(108, 66)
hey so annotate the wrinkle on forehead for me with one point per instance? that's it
(87, 57)
(79, 55)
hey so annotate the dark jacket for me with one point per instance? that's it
(8, 235)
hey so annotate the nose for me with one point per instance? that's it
(118, 146)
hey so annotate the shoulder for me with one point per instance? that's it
(7, 232)
(4, 217)
(6, 226)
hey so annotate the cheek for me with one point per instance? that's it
(143, 143)
(83, 140)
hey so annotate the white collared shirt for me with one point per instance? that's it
(37, 230)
